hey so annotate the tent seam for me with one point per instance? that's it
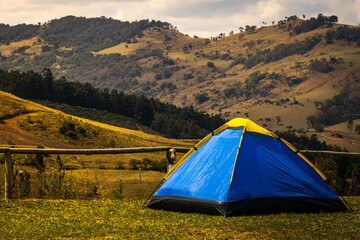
(232, 175)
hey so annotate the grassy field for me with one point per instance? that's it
(110, 219)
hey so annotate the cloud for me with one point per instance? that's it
(196, 17)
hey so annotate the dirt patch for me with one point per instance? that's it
(11, 134)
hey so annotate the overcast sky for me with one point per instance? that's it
(204, 18)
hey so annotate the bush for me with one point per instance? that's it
(118, 191)
(71, 134)
(322, 65)
(146, 162)
(168, 85)
(167, 74)
(66, 126)
(112, 143)
(158, 76)
(210, 64)
(168, 61)
(239, 60)
(201, 97)
(160, 165)
(45, 48)
(135, 164)
(231, 91)
(54, 184)
(120, 165)
(82, 130)
(188, 76)
(140, 194)
(319, 127)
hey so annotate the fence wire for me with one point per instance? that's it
(67, 176)
(127, 175)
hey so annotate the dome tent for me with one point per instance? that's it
(242, 168)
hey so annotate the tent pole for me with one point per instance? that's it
(232, 175)
(152, 193)
(342, 198)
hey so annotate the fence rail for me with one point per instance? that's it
(91, 151)
(344, 154)
(39, 151)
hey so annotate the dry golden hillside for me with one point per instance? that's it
(27, 123)
(210, 74)
(291, 103)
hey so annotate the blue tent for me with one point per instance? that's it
(242, 168)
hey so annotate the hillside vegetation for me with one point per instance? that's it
(262, 73)
(165, 118)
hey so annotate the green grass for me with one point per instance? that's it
(100, 219)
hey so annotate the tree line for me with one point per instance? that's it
(165, 118)
(73, 31)
(18, 32)
(80, 31)
(338, 109)
(314, 23)
(281, 51)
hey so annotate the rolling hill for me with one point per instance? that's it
(25, 123)
(275, 75)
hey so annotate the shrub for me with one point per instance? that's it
(118, 191)
(160, 165)
(71, 134)
(146, 162)
(54, 184)
(201, 97)
(45, 48)
(134, 163)
(232, 91)
(112, 143)
(22, 184)
(66, 126)
(319, 127)
(239, 60)
(158, 76)
(120, 165)
(168, 61)
(140, 194)
(210, 64)
(322, 65)
(167, 74)
(82, 130)
(188, 76)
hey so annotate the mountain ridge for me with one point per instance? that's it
(272, 72)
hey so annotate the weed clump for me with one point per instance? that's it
(118, 191)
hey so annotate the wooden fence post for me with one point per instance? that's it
(8, 175)
(318, 161)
